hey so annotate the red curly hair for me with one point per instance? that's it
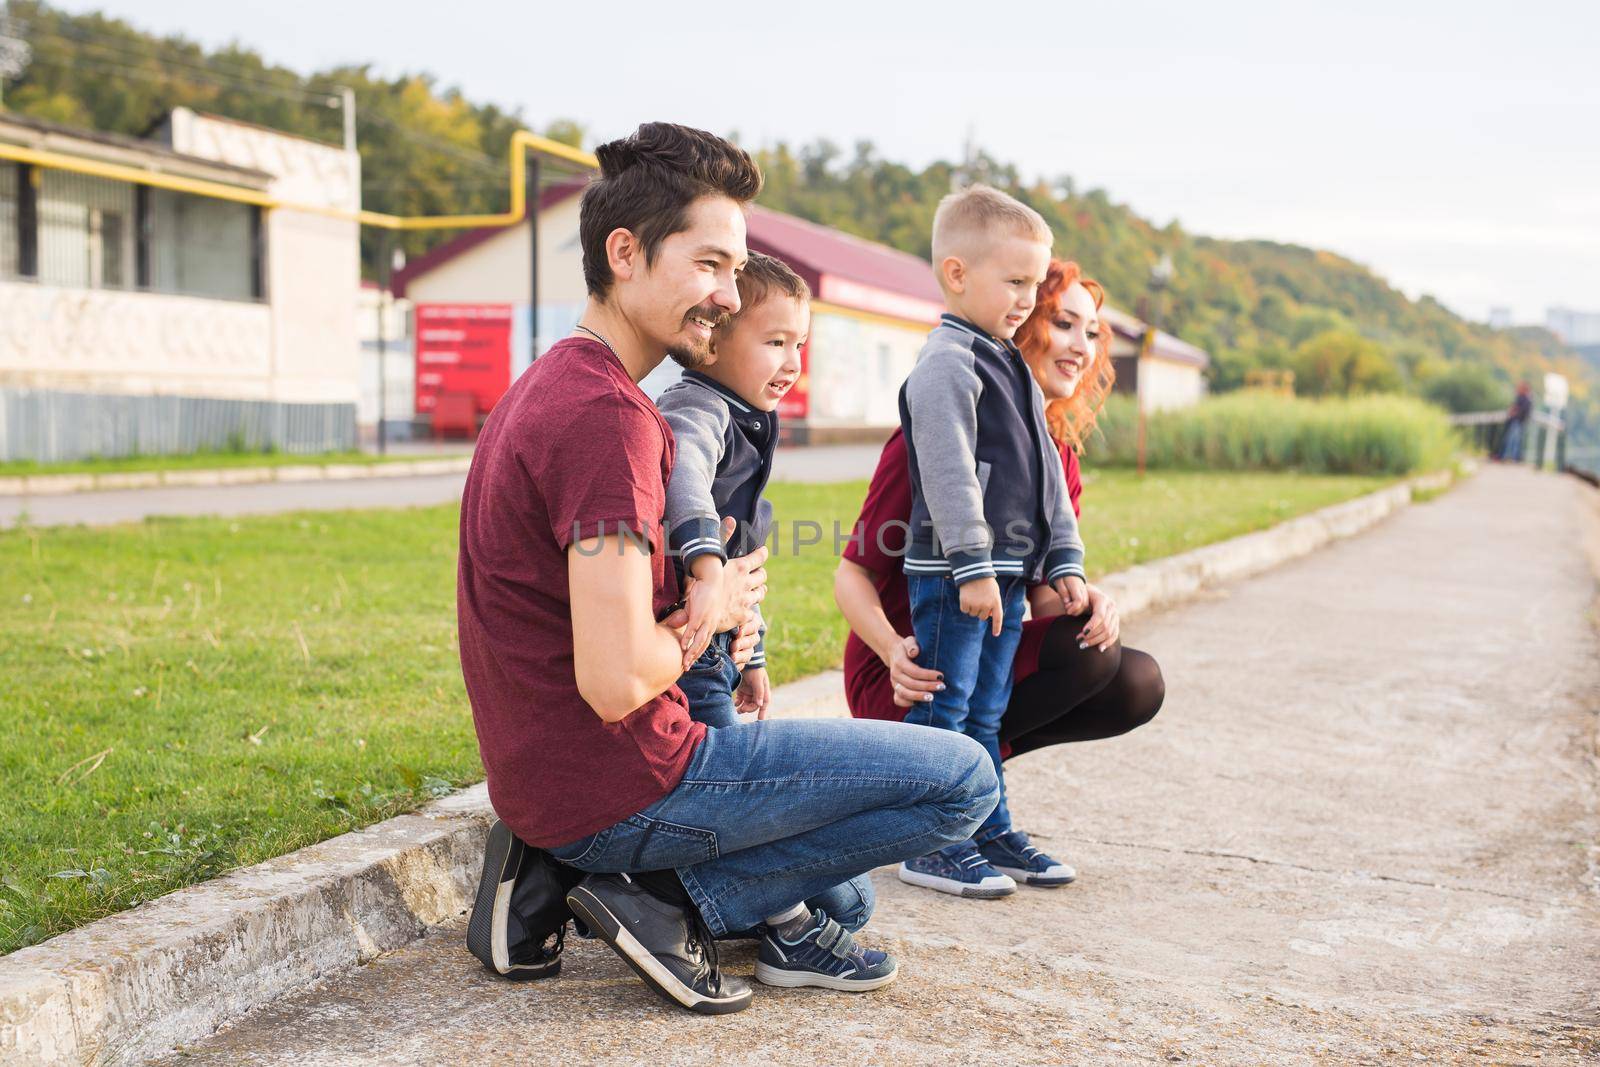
(1072, 418)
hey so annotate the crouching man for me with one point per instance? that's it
(571, 640)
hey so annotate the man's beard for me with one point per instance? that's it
(690, 358)
(695, 355)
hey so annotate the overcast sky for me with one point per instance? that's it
(1450, 145)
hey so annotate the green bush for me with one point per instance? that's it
(1467, 387)
(1263, 431)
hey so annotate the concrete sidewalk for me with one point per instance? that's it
(1364, 828)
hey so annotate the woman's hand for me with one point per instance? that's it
(912, 684)
(1104, 627)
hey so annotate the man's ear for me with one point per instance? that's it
(623, 253)
(953, 273)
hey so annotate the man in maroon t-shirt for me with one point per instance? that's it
(571, 643)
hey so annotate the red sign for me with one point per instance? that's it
(463, 348)
(796, 403)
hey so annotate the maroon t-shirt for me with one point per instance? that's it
(573, 449)
(883, 524)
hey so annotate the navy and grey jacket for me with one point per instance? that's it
(988, 495)
(724, 459)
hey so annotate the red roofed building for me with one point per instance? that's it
(872, 308)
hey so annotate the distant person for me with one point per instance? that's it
(990, 511)
(572, 641)
(1073, 679)
(1515, 428)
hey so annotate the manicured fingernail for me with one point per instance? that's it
(941, 689)
(929, 696)
(1082, 645)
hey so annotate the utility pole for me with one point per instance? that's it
(384, 264)
(347, 100)
(532, 199)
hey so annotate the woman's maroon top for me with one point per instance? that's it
(880, 548)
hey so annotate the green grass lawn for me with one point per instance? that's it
(183, 696)
(205, 461)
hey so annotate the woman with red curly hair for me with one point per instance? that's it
(1074, 680)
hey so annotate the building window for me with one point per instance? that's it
(201, 246)
(93, 233)
(85, 231)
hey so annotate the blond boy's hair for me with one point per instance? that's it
(970, 220)
(763, 277)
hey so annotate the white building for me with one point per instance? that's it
(1574, 327)
(134, 319)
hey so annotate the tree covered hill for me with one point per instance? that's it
(426, 149)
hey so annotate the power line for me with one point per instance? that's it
(121, 51)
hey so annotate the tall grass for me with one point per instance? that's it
(1263, 431)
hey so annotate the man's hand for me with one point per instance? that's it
(754, 693)
(1074, 594)
(1104, 627)
(981, 598)
(744, 585)
(912, 684)
(744, 642)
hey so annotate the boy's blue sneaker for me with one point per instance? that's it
(959, 870)
(1012, 854)
(826, 955)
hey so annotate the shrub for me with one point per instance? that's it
(1467, 387)
(1262, 431)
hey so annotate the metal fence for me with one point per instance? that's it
(47, 426)
(1544, 442)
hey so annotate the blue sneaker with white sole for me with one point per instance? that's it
(959, 870)
(825, 955)
(1012, 853)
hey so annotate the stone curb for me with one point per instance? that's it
(61, 484)
(172, 970)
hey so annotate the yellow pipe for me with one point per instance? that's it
(522, 142)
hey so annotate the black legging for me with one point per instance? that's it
(1081, 694)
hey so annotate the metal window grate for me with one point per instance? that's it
(94, 233)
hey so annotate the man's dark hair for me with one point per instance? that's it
(647, 181)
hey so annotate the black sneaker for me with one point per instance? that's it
(666, 945)
(519, 917)
(826, 955)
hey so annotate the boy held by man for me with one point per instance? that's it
(990, 512)
(724, 419)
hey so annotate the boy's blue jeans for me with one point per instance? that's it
(769, 814)
(976, 666)
(709, 684)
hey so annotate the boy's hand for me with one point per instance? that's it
(981, 598)
(1074, 594)
(702, 606)
(754, 693)
(705, 602)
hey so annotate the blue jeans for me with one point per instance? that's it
(709, 684)
(976, 666)
(1511, 446)
(770, 814)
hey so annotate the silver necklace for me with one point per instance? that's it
(597, 337)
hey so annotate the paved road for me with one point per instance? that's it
(1363, 829)
(827, 463)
